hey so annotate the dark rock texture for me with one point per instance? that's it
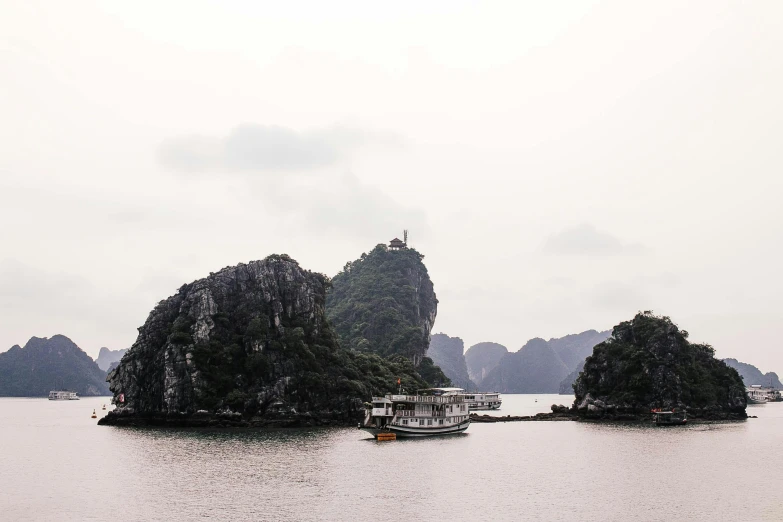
(448, 353)
(49, 364)
(752, 375)
(649, 363)
(248, 343)
(482, 358)
(106, 357)
(535, 368)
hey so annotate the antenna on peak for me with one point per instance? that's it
(405, 237)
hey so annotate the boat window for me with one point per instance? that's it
(429, 422)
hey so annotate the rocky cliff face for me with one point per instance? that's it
(253, 340)
(535, 368)
(49, 364)
(384, 303)
(448, 353)
(649, 363)
(482, 358)
(106, 357)
(752, 375)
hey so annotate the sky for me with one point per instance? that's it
(561, 165)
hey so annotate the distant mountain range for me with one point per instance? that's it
(482, 358)
(448, 353)
(538, 367)
(106, 357)
(49, 364)
(752, 375)
(535, 368)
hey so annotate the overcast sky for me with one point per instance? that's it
(562, 165)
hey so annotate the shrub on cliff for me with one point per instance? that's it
(648, 362)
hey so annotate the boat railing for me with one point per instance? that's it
(411, 413)
(428, 398)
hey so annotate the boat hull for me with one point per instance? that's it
(412, 432)
(757, 401)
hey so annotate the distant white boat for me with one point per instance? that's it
(757, 395)
(483, 400)
(62, 395)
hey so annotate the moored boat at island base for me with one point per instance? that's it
(432, 411)
(670, 417)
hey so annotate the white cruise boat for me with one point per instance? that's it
(63, 396)
(757, 395)
(433, 411)
(483, 400)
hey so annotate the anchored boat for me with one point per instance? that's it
(432, 411)
(483, 400)
(62, 395)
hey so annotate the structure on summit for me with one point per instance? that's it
(396, 244)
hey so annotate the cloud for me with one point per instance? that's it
(44, 303)
(585, 239)
(617, 295)
(268, 148)
(362, 209)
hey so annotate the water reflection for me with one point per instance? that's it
(58, 465)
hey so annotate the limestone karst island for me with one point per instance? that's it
(328, 261)
(270, 343)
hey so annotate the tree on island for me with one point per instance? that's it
(648, 363)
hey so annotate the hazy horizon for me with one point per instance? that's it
(561, 166)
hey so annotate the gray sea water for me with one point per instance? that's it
(57, 464)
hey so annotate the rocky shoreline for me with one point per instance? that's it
(564, 413)
(226, 419)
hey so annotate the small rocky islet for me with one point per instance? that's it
(269, 343)
(648, 363)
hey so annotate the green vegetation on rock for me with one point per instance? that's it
(384, 303)
(647, 363)
(251, 339)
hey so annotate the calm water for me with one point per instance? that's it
(56, 464)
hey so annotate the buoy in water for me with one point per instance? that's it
(94, 415)
(104, 407)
